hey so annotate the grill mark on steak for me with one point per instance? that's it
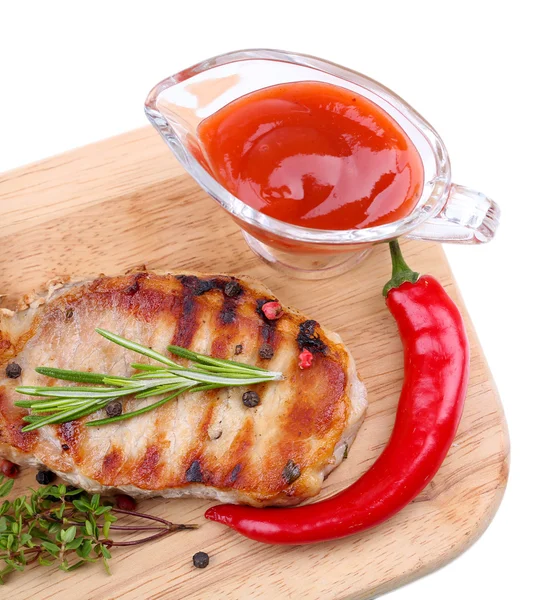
(111, 465)
(235, 473)
(148, 468)
(196, 286)
(239, 454)
(11, 432)
(143, 301)
(227, 314)
(70, 434)
(231, 293)
(194, 474)
(193, 463)
(187, 321)
(268, 340)
(24, 440)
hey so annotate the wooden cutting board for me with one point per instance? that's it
(125, 202)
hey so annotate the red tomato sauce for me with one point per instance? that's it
(314, 154)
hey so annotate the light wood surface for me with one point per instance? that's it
(125, 202)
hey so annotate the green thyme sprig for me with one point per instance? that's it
(65, 527)
(59, 404)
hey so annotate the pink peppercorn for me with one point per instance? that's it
(272, 310)
(305, 359)
(9, 469)
(124, 502)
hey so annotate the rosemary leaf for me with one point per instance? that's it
(56, 403)
(228, 381)
(209, 360)
(163, 389)
(135, 413)
(63, 417)
(143, 367)
(79, 376)
(76, 392)
(136, 347)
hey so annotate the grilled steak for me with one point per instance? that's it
(208, 444)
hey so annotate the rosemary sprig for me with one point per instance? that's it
(66, 527)
(58, 404)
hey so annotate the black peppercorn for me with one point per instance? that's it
(238, 349)
(232, 289)
(200, 560)
(266, 351)
(13, 371)
(291, 472)
(45, 477)
(114, 408)
(69, 314)
(65, 447)
(250, 399)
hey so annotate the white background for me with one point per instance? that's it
(480, 72)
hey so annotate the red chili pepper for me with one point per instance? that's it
(436, 354)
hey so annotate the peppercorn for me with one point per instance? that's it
(200, 560)
(65, 447)
(45, 477)
(13, 371)
(250, 399)
(9, 469)
(114, 408)
(124, 502)
(238, 349)
(305, 359)
(291, 472)
(266, 351)
(272, 310)
(232, 289)
(69, 314)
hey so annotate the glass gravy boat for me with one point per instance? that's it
(445, 212)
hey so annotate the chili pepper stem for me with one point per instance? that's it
(400, 270)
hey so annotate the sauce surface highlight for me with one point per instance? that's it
(315, 155)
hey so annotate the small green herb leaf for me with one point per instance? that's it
(51, 548)
(89, 527)
(74, 544)
(6, 486)
(70, 534)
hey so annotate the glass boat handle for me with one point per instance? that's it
(468, 217)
